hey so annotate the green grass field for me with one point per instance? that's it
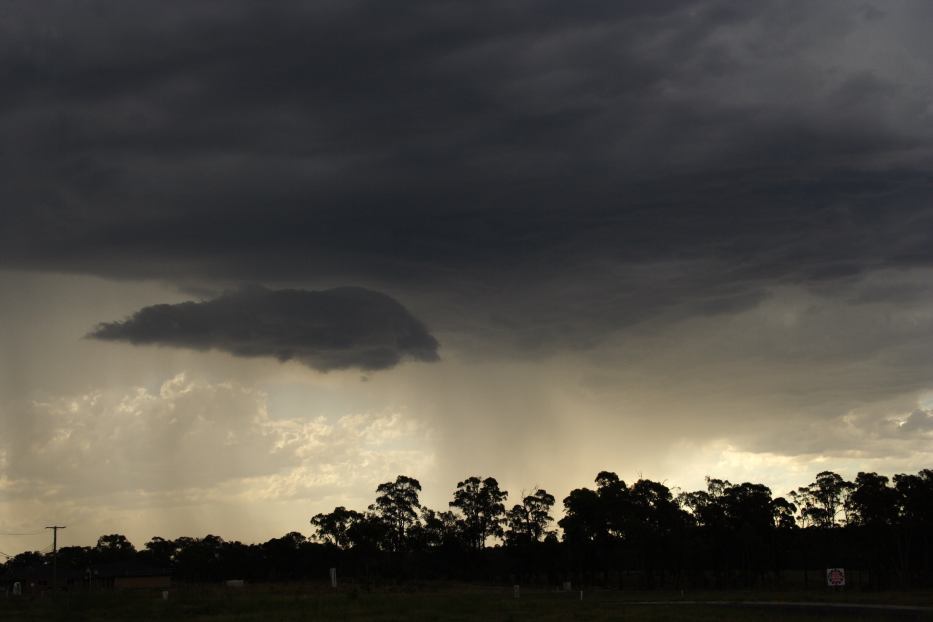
(293, 602)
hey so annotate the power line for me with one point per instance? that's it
(23, 533)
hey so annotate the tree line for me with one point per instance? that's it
(613, 534)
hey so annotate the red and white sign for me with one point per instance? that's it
(836, 577)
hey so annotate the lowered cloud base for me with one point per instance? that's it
(341, 328)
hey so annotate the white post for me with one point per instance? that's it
(581, 594)
(333, 577)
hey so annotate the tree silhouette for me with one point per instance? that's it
(872, 501)
(437, 529)
(748, 505)
(584, 518)
(615, 505)
(113, 548)
(821, 501)
(480, 503)
(159, 551)
(915, 496)
(705, 506)
(334, 527)
(653, 507)
(397, 505)
(783, 512)
(528, 522)
(725, 536)
(369, 533)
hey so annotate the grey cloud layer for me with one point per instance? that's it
(728, 204)
(496, 154)
(339, 328)
(918, 422)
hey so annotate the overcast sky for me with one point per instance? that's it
(257, 258)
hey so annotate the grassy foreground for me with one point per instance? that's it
(288, 603)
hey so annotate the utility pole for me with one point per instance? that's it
(55, 529)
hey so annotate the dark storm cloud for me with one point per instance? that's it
(332, 329)
(485, 152)
(918, 422)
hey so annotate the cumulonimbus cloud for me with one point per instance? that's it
(341, 328)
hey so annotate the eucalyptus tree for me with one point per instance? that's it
(873, 501)
(335, 527)
(823, 500)
(749, 505)
(114, 547)
(783, 513)
(915, 497)
(482, 509)
(397, 504)
(436, 529)
(584, 517)
(528, 522)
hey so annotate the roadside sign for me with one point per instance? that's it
(836, 577)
